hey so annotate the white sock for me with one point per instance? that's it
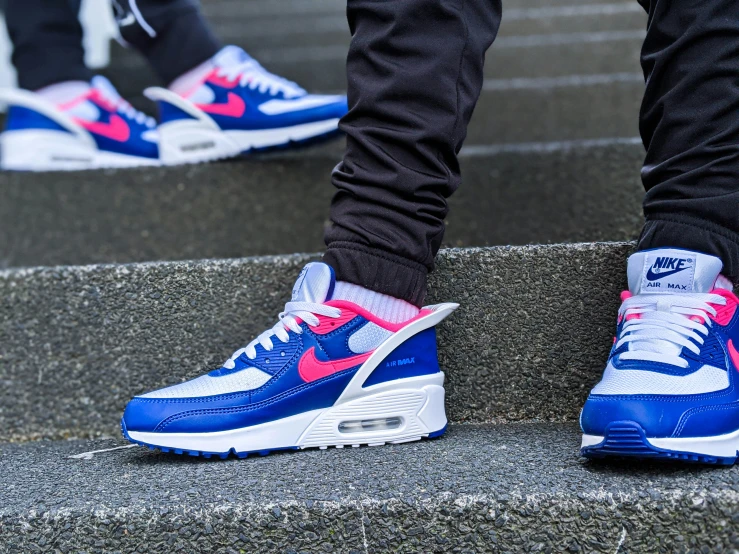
(66, 91)
(188, 82)
(383, 306)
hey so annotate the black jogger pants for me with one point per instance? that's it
(47, 38)
(415, 71)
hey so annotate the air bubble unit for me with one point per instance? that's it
(379, 424)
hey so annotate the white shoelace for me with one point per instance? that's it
(132, 113)
(307, 311)
(254, 76)
(664, 325)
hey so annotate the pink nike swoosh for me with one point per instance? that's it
(734, 355)
(115, 129)
(311, 369)
(235, 107)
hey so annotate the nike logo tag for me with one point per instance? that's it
(234, 107)
(734, 354)
(311, 368)
(652, 276)
(116, 129)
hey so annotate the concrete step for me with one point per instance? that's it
(480, 488)
(529, 340)
(511, 194)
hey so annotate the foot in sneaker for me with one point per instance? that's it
(234, 106)
(670, 389)
(93, 129)
(329, 373)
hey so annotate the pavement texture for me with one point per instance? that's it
(279, 205)
(529, 340)
(480, 488)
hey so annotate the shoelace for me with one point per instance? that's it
(307, 311)
(251, 74)
(666, 323)
(132, 113)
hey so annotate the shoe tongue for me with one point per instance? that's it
(106, 88)
(229, 56)
(671, 270)
(315, 283)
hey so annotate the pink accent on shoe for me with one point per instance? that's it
(358, 310)
(328, 324)
(235, 107)
(115, 129)
(733, 354)
(220, 81)
(98, 98)
(311, 369)
(625, 295)
(72, 103)
(725, 313)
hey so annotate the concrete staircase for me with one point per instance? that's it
(552, 158)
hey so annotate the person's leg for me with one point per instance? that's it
(172, 34)
(669, 388)
(415, 72)
(690, 126)
(47, 42)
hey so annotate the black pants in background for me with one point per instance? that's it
(415, 71)
(47, 38)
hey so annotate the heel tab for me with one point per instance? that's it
(37, 107)
(165, 97)
(444, 309)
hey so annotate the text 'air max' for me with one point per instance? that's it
(670, 387)
(329, 373)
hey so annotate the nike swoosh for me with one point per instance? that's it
(235, 107)
(734, 355)
(116, 129)
(311, 369)
(651, 276)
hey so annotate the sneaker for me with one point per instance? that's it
(670, 389)
(240, 107)
(95, 130)
(329, 373)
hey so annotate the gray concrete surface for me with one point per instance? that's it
(505, 488)
(508, 196)
(529, 340)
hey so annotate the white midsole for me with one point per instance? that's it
(719, 445)
(50, 150)
(192, 140)
(418, 402)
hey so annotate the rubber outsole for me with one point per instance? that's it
(627, 440)
(246, 454)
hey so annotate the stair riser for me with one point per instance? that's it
(435, 524)
(224, 210)
(528, 342)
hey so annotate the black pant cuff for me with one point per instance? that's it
(60, 64)
(378, 271)
(693, 234)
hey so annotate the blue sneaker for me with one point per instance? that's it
(329, 373)
(670, 387)
(98, 129)
(240, 107)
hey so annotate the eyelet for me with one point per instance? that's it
(282, 353)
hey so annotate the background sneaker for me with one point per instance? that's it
(670, 387)
(238, 107)
(96, 129)
(329, 373)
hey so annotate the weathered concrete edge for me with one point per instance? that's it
(14, 273)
